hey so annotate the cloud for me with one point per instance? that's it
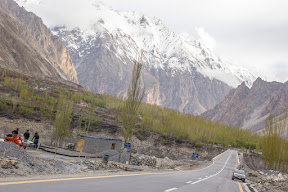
(71, 12)
(205, 38)
(281, 70)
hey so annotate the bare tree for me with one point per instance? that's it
(135, 95)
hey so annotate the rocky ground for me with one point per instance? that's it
(16, 161)
(261, 180)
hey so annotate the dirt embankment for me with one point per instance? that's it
(254, 161)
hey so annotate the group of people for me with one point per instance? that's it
(27, 135)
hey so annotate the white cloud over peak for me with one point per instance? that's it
(206, 38)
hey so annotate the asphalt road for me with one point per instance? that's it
(214, 177)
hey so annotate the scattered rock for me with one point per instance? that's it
(70, 146)
(143, 160)
(9, 164)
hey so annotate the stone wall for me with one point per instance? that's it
(91, 145)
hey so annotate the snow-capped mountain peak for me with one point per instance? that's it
(163, 48)
(180, 71)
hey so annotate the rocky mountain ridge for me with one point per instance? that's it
(249, 108)
(27, 45)
(179, 72)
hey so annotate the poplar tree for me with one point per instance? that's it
(135, 95)
(63, 118)
(274, 144)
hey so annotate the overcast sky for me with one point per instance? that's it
(251, 33)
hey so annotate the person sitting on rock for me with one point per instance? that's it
(36, 140)
(15, 132)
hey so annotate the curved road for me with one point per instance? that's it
(215, 177)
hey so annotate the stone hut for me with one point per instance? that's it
(92, 144)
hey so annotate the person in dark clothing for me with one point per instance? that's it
(15, 131)
(26, 136)
(36, 140)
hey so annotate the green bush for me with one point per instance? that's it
(100, 103)
(51, 100)
(25, 111)
(76, 98)
(199, 144)
(3, 105)
(46, 111)
(57, 89)
(93, 122)
(18, 83)
(7, 81)
(24, 92)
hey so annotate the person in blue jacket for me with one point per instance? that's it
(36, 140)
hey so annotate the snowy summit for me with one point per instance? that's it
(163, 49)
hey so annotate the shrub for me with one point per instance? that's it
(24, 92)
(18, 83)
(51, 100)
(100, 103)
(46, 111)
(3, 105)
(7, 81)
(25, 111)
(93, 122)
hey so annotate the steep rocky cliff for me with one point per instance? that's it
(29, 46)
(249, 108)
(102, 71)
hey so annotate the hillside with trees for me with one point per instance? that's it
(39, 100)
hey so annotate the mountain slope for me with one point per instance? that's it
(249, 108)
(179, 73)
(29, 46)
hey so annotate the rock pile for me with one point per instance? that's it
(143, 160)
(167, 163)
(13, 150)
(268, 181)
(114, 155)
(9, 163)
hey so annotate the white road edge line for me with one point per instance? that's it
(238, 160)
(189, 182)
(214, 174)
(172, 189)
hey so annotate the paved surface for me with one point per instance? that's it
(215, 177)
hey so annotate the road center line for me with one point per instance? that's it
(214, 174)
(240, 188)
(172, 189)
(189, 182)
(238, 163)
